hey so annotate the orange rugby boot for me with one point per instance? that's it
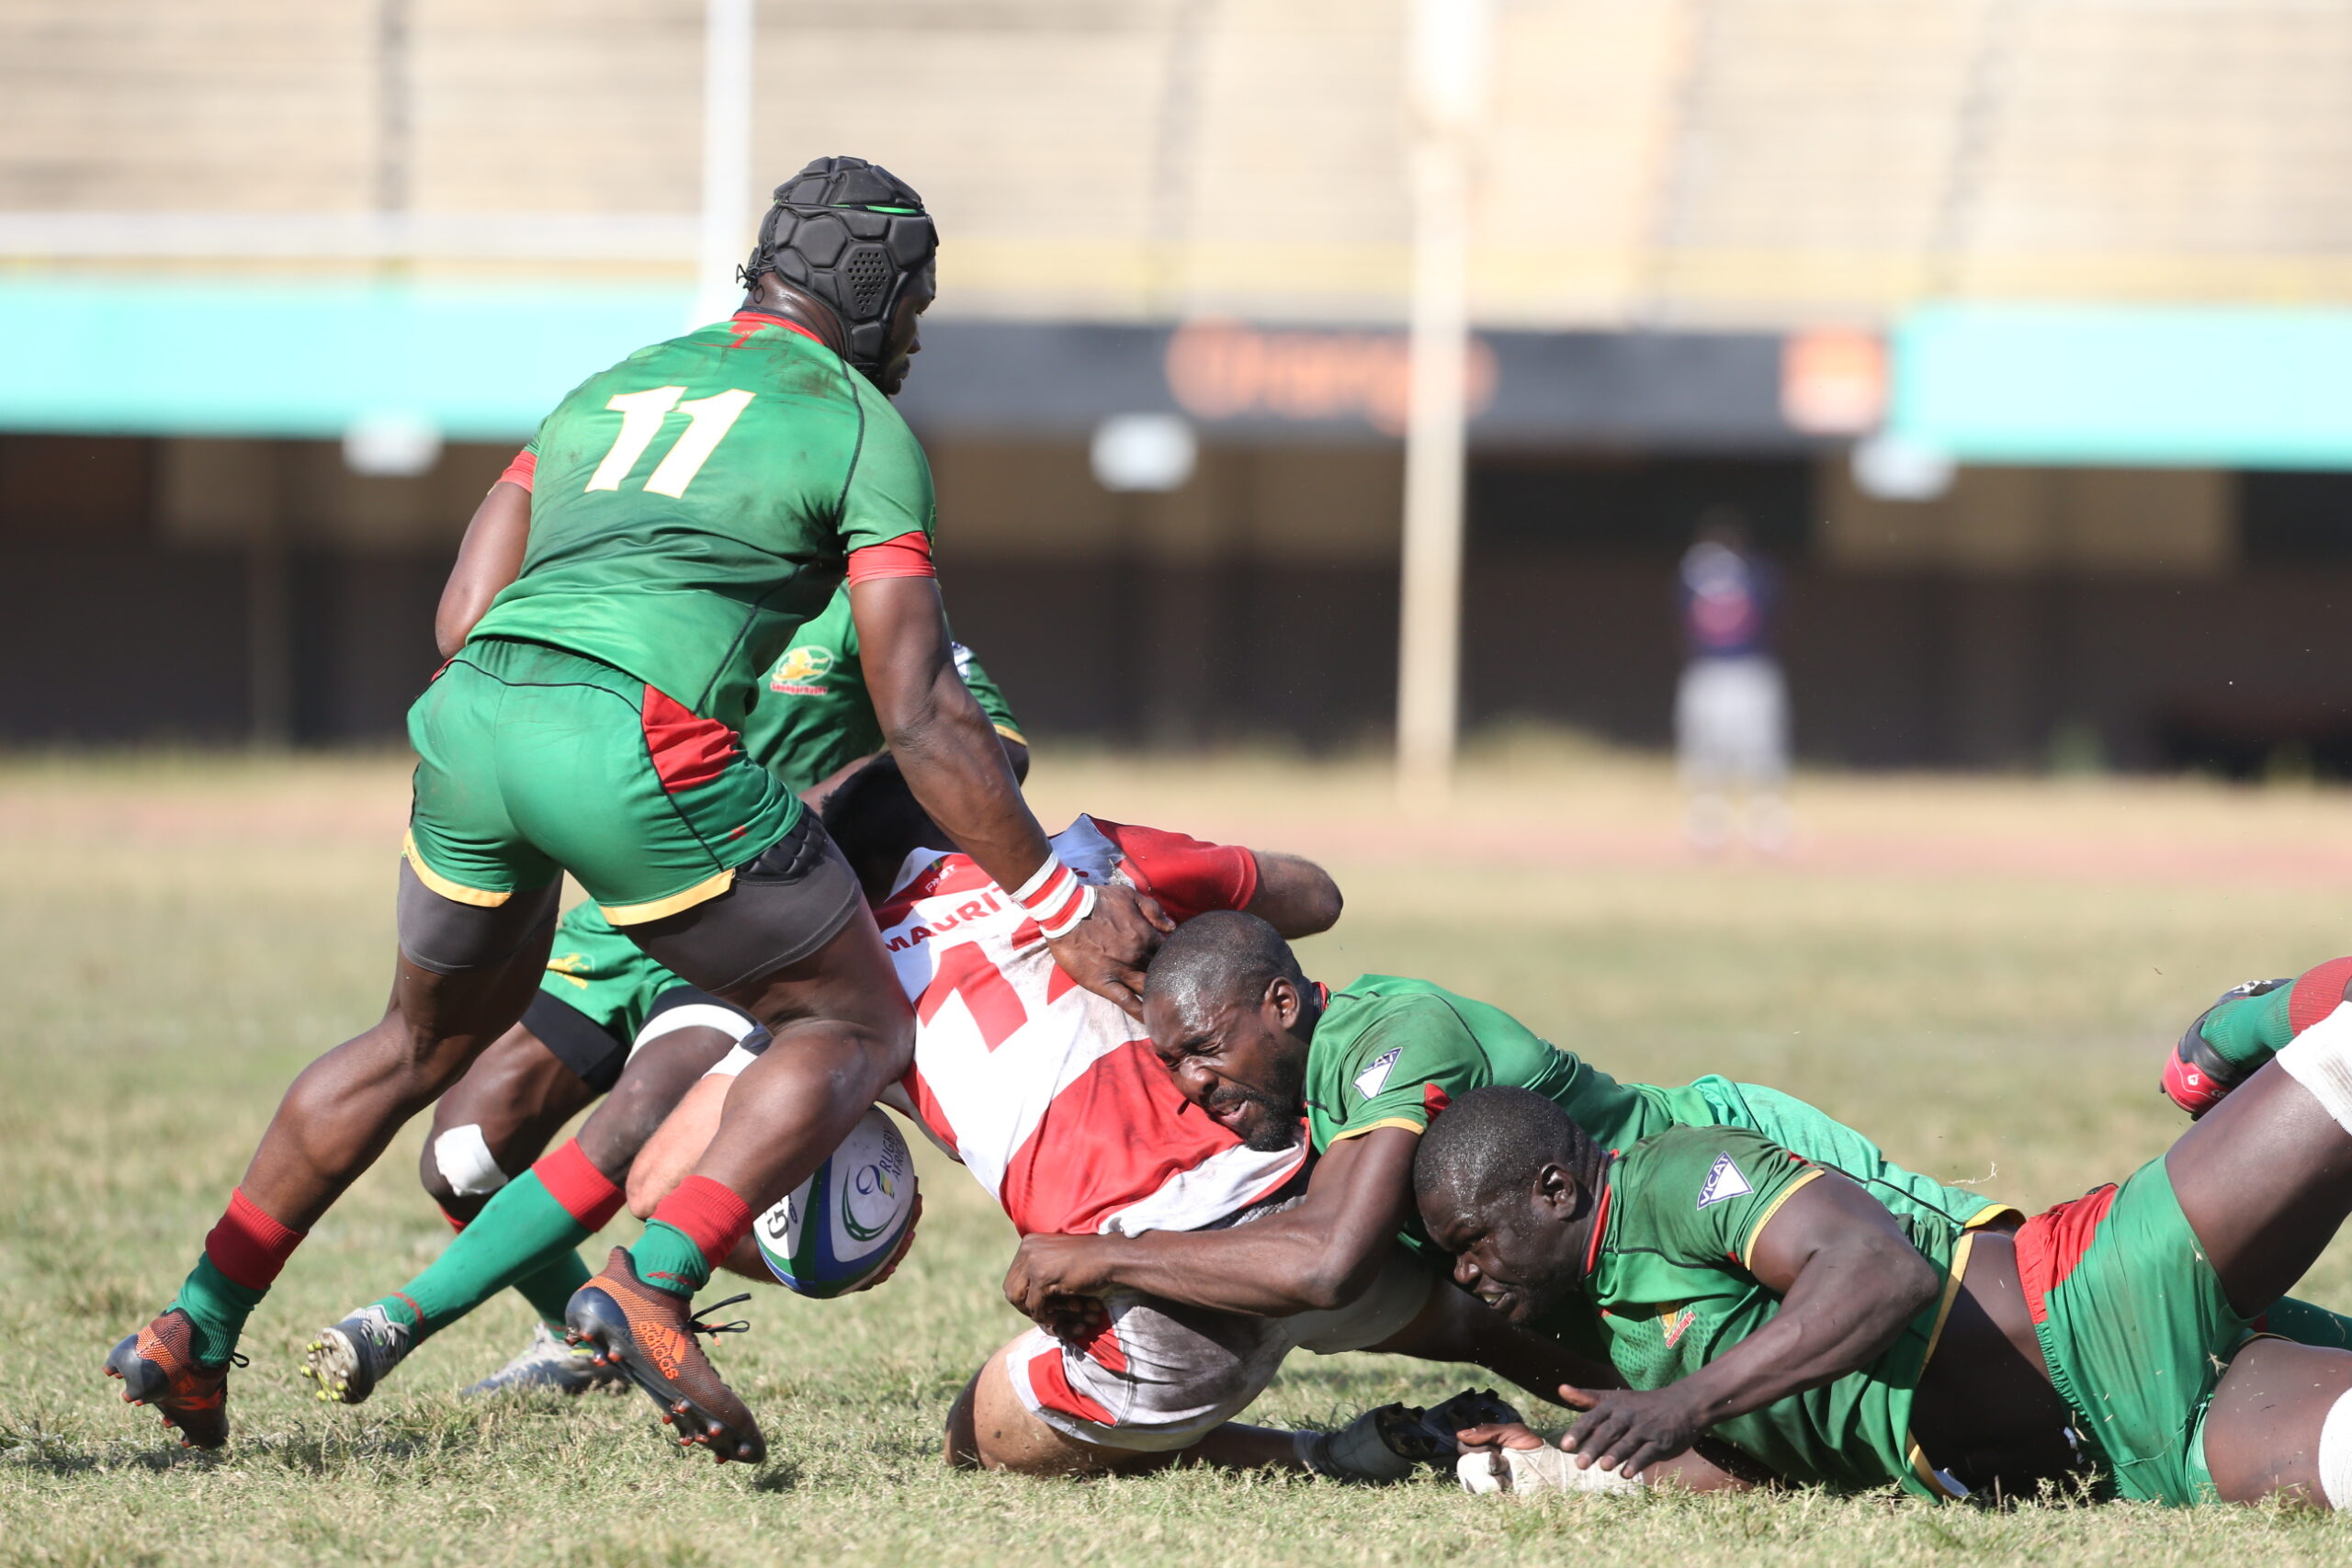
(158, 1367)
(649, 1334)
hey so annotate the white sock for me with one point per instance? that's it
(2336, 1455)
(2320, 1059)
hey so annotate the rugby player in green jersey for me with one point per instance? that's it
(693, 506)
(608, 1023)
(1252, 1042)
(1848, 1338)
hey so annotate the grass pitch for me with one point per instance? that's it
(1980, 974)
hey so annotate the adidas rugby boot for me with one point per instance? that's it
(1387, 1443)
(348, 1360)
(158, 1367)
(648, 1334)
(2196, 1074)
(549, 1365)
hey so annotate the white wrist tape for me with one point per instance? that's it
(2336, 1455)
(1054, 898)
(2320, 1059)
(1547, 1469)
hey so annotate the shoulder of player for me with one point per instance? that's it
(1685, 1169)
(1360, 1014)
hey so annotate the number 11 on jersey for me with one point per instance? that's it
(708, 420)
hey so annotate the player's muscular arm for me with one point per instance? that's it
(954, 764)
(1848, 1281)
(489, 558)
(1295, 896)
(1320, 1255)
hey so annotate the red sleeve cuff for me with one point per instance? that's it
(519, 471)
(909, 555)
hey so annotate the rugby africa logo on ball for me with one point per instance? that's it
(842, 1226)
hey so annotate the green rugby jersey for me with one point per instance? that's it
(1388, 1049)
(1670, 1276)
(813, 715)
(695, 504)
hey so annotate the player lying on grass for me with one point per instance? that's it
(695, 506)
(1854, 1339)
(1256, 1046)
(607, 1021)
(1066, 1119)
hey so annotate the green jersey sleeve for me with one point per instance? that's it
(1708, 1192)
(887, 494)
(1420, 1054)
(985, 691)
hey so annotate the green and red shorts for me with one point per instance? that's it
(533, 760)
(2136, 1329)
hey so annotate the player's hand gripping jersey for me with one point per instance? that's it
(1045, 1091)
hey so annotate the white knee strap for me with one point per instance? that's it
(694, 1015)
(2336, 1455)
(2320, 1059)
(463, 1155)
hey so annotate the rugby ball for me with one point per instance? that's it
(843, 1227)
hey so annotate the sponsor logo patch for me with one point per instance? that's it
(800, 668)
(1374, 1078)
(1724, 1181)
(1673, 1321)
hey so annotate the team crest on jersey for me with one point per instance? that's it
(1374, 1078)
(796, 671)
(1724, 1182)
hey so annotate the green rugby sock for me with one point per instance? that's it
(524, 1236)
(217, 1307)
(2246, 1032)
(549, 1289)
(668, 1258)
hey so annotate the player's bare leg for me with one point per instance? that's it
(843, 1029)
(334, 1122)
(527, 1229)
(496, 1120)
(2265, 1180)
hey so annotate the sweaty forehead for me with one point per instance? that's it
(1182, 1014)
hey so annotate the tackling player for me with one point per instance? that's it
(1066, 1120)
(1854, 1340)
(693, 506)
(607, 1022)
(1257, 1046)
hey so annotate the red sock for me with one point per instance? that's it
(707, 1214)
(587, 1194)
(249, 1246)
(2317, 993)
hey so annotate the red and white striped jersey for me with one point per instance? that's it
(1048, 1093)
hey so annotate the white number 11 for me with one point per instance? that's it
(641, 415)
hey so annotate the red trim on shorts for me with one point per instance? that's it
(248, 1246)
(2050, 1244)
(687, 748)
(909, 555)
(2317, 993)
(708, 1214)
(750, 322)
(1050, 1383)
(587, 1194)
(521, 470)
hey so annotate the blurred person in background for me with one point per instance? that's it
(1731, 712)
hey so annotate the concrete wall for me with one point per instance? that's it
(208, 589)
